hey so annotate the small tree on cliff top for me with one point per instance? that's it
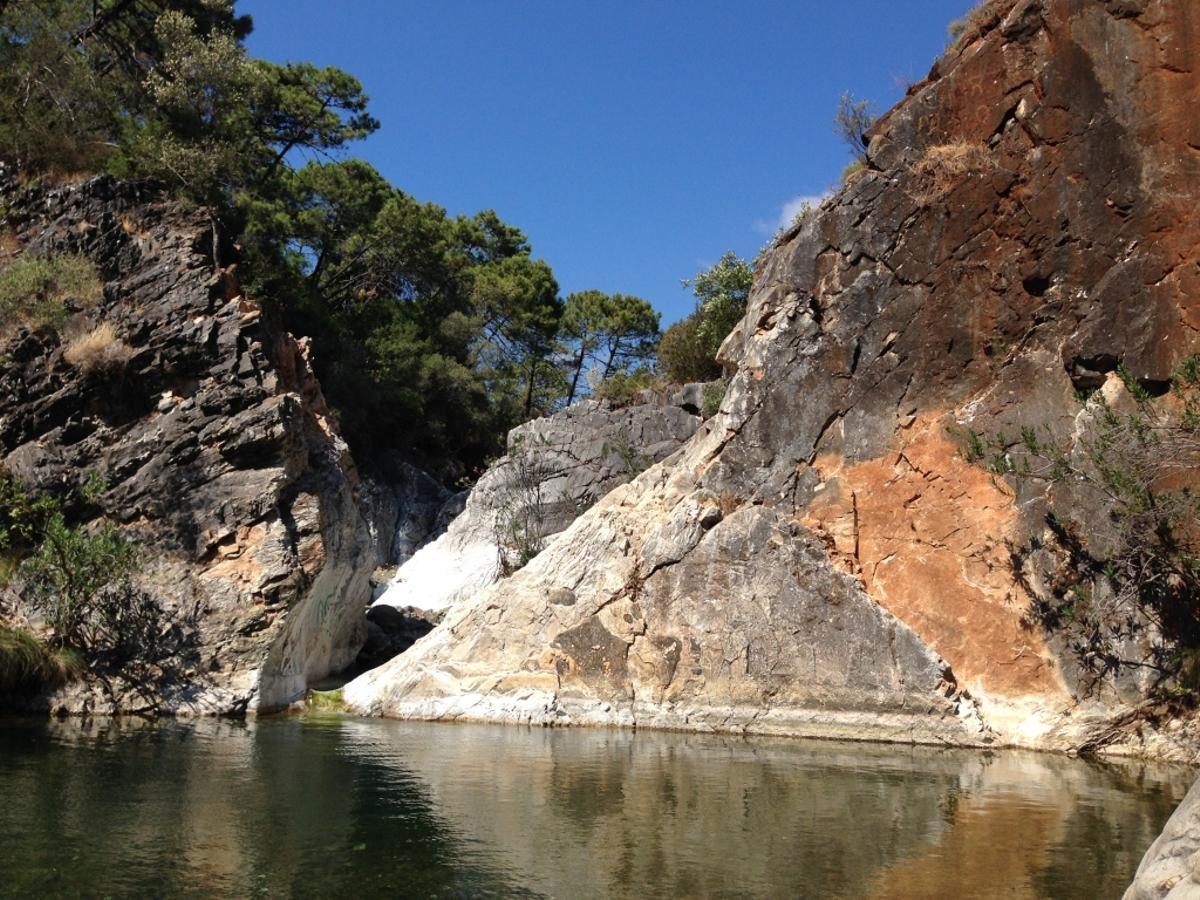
(689, 348)
(853, 120)
(613, 332)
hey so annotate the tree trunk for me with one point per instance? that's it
(529, 389)
(575, 379)
(609, 366)
(215, 225)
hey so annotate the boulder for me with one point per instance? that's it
(1171, 867)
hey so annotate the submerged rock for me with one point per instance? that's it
(820, 558)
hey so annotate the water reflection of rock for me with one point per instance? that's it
(206, 807)
(106, 788)
(333, 807)
(1008, 834)
(592, 813)
(214, 808)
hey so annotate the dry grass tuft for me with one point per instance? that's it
(130, 227)
(28, 664)
(98, 351)
(969, 27)
(42, 291)
(729, 502)
(855, 168)
(944, 166)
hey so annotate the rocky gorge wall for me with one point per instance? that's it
(215, 446)
(820, 559)
(556, 467)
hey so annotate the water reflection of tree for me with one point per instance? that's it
(276, 808)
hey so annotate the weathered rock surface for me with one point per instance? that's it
(556, 467)
(406, 508)
(819, 559)
(215, 443)
(1171, 867)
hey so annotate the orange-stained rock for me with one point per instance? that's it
(926, 532)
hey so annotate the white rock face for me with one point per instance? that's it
(657, 609)
(1171, 867)
(455, 565)
(575, 457)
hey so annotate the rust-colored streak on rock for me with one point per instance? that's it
(237, 557)
(930, 542)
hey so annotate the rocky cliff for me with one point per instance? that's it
(820, 558)
(556, 467)
(214, 444)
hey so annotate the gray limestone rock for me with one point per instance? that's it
(557, 467)
(216, 447)
(406, 509)
(1170, 870)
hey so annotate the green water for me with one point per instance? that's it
(335, 807)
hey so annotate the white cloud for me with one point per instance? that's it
(788, 211)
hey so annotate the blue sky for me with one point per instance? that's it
(634, 142)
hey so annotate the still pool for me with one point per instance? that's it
(339, 807)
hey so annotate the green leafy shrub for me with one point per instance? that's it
(27, 665)
(81, 582)
(688, 350)
(23, 518)
(81, 579)
(713, 394)
(722, 292)
(684, 356)
(36, 291)
(326, 701)
(622, 388)
(1125, 592)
